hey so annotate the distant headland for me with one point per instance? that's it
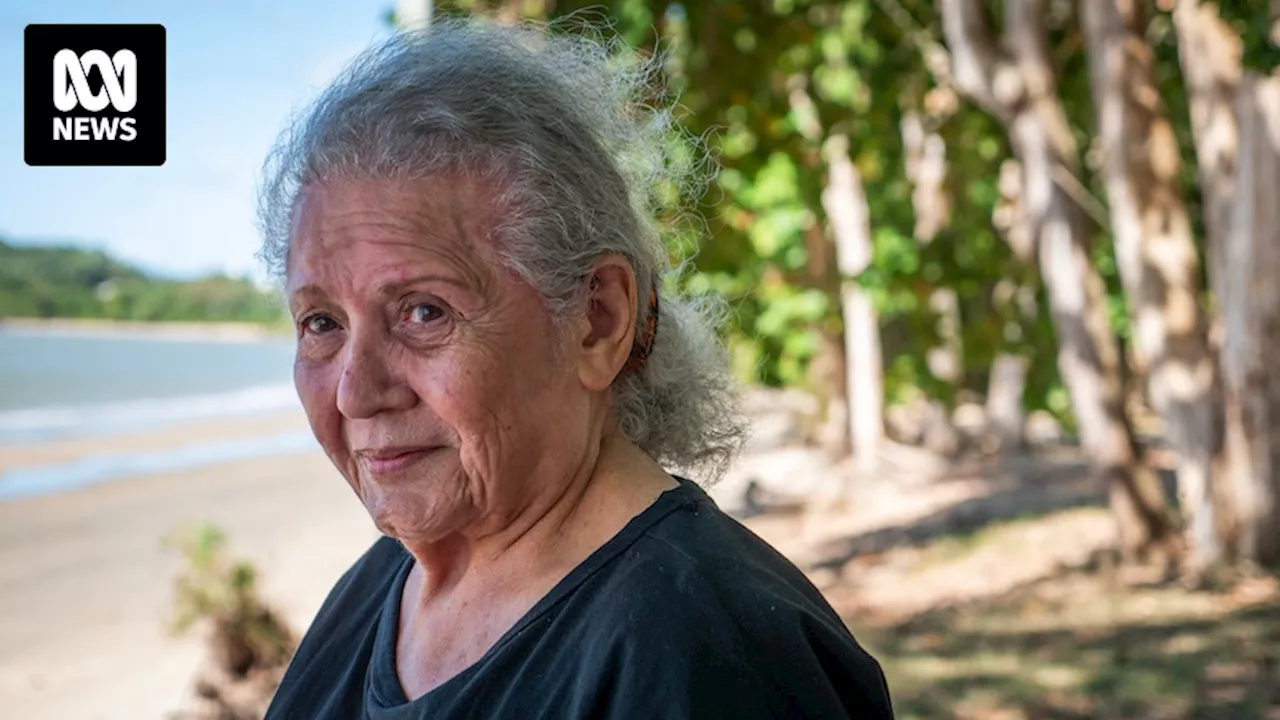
(71, 288)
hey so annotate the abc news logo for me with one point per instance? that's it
(95, 94)
(71, 89)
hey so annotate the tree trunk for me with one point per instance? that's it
(828, 368)
(1251, 307)
(1005, 387)
(1016, 302)
(926, 169)
(1157, 257)
(1236, 125)
(845, 203)
(1210, 54)
(1015, 81)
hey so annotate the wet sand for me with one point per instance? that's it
(148, 441)
(85, 582)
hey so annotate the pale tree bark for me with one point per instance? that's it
(828, 367)
(1015, 81)
(926, 169)
(845, 203)
(1157, 257)
(1210, 54)
(1251, 303)
(1235, 120)
(1008, 379)
(827, 372)
(1005, 387)
(1005, 418)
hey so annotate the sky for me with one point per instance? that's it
(236, 71)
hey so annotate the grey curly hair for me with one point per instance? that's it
(558, 120)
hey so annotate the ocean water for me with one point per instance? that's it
(62, 385)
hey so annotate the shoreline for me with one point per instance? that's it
(35, 454)
(86, 583)
(66, 465)
(219, 331)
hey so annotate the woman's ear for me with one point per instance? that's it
(610, 325)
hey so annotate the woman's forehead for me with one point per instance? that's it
(369, 222)
(427, 203)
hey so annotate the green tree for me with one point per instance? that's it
(77, 283)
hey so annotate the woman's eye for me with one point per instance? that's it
(319, 324)
(424, 313)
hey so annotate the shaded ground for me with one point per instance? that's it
(987, 594)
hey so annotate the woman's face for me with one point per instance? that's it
(431, 375)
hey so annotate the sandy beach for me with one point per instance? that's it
(958, 582)
(13, 457)
(85, 583)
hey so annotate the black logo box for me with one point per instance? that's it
(41, 43)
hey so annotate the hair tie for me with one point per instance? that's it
(642, 346)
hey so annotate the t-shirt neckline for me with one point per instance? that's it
(384, 690)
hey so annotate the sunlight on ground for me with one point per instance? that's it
(1074, 643)
(1000, 613)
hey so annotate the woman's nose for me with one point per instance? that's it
(369, 383)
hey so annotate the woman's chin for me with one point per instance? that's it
(413, 518)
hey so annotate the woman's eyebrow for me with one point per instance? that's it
(309, 292)
(399, 286)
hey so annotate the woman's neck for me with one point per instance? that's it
(555, 530)
(465, 592)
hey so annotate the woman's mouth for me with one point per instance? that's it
(393, 460)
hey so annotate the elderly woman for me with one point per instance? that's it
(487, 353)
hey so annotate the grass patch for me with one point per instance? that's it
(1070, 643)
(1073, 647)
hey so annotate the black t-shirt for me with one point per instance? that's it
(683, 614)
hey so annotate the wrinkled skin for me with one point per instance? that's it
(413, 338)
(472, 428)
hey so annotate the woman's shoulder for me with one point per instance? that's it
(700, 549)
(699, 602)
(358, 595)
(697, 567)
(327, 674)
